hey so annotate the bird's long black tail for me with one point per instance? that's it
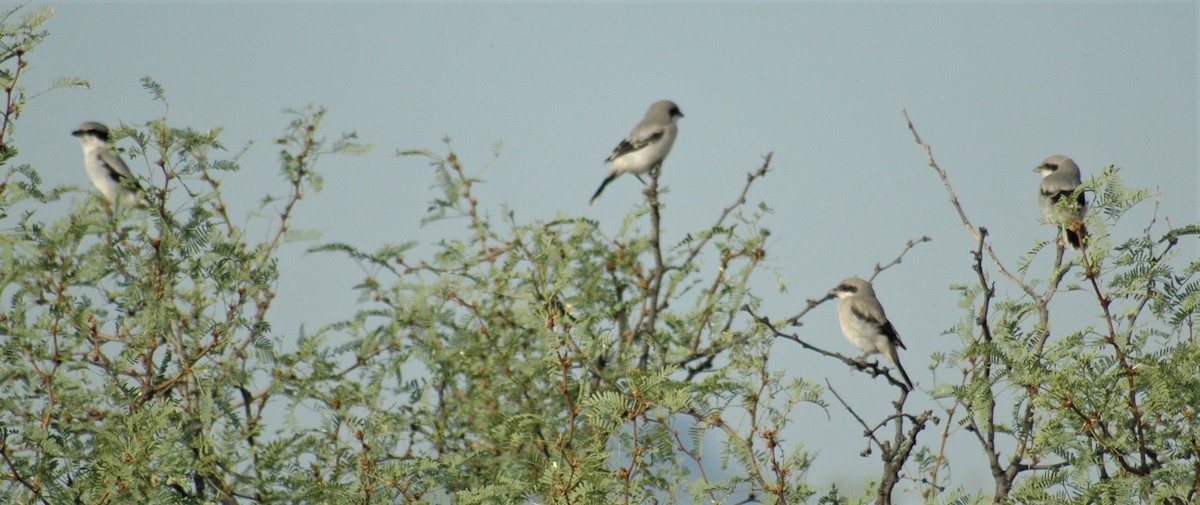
(601, 188)
(894, 357)
(1076, 236)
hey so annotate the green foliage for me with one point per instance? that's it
(20, 33)
(524, 358)
(137, 360)
(1099, 414)
(530, 364)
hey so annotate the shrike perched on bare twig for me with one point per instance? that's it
(646, 146)
(1060, 178)
(865, 325)
(108, 173)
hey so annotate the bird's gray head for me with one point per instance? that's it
(852, 286)
(1055, 163)
(665, 109)
(92, 128)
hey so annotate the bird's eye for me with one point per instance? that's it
(1050, 166)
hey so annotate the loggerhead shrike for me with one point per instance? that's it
(646, 146)
(1060, 178)
(108, 173)
(865, 325)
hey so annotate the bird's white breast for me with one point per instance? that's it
(100, 175)
(860, 333)
(641, 160)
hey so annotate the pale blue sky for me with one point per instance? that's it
(994, 87)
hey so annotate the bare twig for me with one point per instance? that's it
(985, 429)
(907, 246)
(755, 473)
(958, 207)
(737, 202)
(649, 318)
(703, 355)
(867, 430)
(694, 455)
(11, 93)
(940, 459)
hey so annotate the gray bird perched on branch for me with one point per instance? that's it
(1060, 178)
(108, 173)
(646, 146)
(865, 325)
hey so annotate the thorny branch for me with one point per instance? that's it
(737, 202)
(907, 246)
(10, 94)
(867, 430)
(755, 472)
(895, 452)
(647, 320)
(985, 429)
(649, 317)
(958, 207)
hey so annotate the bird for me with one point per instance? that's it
(646, 146)
(1060, 179)
(106, 170)
(865, 325)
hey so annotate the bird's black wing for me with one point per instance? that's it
(885, 326)
(627, 147)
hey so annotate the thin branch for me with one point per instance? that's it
(10, 92)
(867, 430)
(1003, 476)
(649, 319)
(958, 207)
(296, 183)
(755, 473)
(694, 455)
(13, 474)
(907, 247)
(738, 202)
(940, 459)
